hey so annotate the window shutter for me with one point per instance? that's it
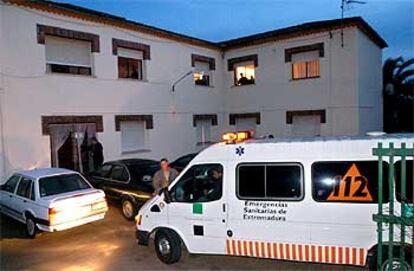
(202, 67)
(246, 124)
(305, 56)
(132, 135)
(135, 54)
(67, 51)
(203, 128)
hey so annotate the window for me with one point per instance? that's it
(305, 65)
(132, 135)
(203, 130)
(68, 55)
(244, 73)
(11, 183)
(270, 181)
(306, 125)
(54, 185)
(25, 188)
(119, 173)
(408, 180)
(347, 181)
(103, 171)
(202, 74)
(201, 183)
(130, 64)
(246, 124)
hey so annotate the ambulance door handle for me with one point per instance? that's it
(224, 207)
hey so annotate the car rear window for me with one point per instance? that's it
(61, 184)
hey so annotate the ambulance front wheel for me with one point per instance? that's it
(167, 246)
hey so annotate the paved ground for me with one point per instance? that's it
(110, 245)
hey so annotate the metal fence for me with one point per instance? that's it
(403, 218)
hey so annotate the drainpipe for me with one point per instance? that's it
(2, 119)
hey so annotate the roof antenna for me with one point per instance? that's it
(343, 3)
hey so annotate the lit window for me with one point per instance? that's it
(130, 64)
(202, 75)
(305, 65)
(244, 73)
(68, 55)
(132, 135)
(203, 128)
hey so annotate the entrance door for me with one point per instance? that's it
(198, 209)
(66, 154)
(65, 148)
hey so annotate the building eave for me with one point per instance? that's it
(304, 30)
(247, 41)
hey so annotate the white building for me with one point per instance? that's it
(151, 93)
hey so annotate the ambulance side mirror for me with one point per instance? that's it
(167, 196)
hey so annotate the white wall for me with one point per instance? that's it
(31, 93)
(275, 92)
(370, 85)
(346, 89)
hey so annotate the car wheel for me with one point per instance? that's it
(167, 246)
(129, 209)
(31, 228)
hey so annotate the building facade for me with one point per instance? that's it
(69, 73)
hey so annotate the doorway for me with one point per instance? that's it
(70, 145)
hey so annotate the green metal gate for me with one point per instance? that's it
(402, 218)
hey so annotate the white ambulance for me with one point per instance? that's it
(299, 199)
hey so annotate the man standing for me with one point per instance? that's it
(97, 153)
(163, 177)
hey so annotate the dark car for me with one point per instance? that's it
(180, 163)
(127, 181)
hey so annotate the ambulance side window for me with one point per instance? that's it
(273, 181)
(201, 183)
(348, 181)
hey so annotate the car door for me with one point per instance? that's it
(24, 196)
(100, 176)
(117, 182)
(7, 196)
(198, 210)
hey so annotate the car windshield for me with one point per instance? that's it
(61, 184)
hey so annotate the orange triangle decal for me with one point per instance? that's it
(351, 187)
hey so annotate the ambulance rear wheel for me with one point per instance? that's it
(167, 246)
(395, 262)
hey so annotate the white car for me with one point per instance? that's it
(51, 199)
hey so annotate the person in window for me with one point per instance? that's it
(251, 81)
(213, 189)
(163, 177)
(242, 80)
(97, 153)
(134, 74)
